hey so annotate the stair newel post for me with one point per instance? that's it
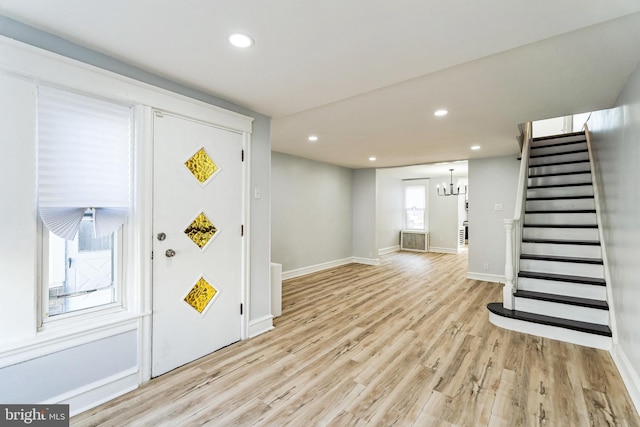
(507, 290)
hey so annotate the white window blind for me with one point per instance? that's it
(83, 162)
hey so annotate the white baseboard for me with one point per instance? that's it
(315, 268)
(442, 250)
(260, 325)
(388, 250)
(628, 373)
(486, 277)
(367, 261)
(94, 394)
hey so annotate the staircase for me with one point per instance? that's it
(561, 290)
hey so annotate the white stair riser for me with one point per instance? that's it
(579, 178)
(578, 251)
(553, 149)
(564, 311)
(562, 288)
(552, 332)
(560, 218)
(560, 204)
(567, 268)
(560, 233)
(572, 167)
(582, 190)
(557, 158)
(556, 141)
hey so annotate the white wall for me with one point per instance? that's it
(443, 219)
(365, 246)
(616, 145)
(389, 211)
(491, 181)
(311, 212)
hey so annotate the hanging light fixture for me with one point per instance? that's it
(450, 193)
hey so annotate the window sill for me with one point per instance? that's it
(57, 337)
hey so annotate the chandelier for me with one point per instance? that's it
(450, 192)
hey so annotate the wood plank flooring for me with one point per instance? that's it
(405, 343)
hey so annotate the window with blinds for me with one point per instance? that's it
(84, 176)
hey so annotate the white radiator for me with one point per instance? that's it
(414, 241)
(461, 236)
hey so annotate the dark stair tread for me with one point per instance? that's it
(579, 184)
(564, 299)
(561, 211)
(562, 278)
(561, 225)
(560, 144)
(558, 136)
(560, 198)
(559, 163)
(544, 175)
(537, 156)
(579, 260)
(590, 328)
(563, 242)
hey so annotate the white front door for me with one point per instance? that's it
(197, 249)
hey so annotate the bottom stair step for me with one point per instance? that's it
(573, 331)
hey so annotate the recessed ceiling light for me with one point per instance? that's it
(372, 159)
(313, 138)
(440, 113)
(240, 40)
(475, 147)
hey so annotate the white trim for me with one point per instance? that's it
(443, 250)
(40, 65)
(91, 395)
(552, 332)
(485, 277)
(390, 249)
(367, 261)
(142, 241)
(628, 373)
(51, 342)
(315, 268)
(260, 325)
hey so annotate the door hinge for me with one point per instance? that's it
(151, 254)
(242, 155)
(242, 231)
(241, 309)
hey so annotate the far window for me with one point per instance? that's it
(414, 206)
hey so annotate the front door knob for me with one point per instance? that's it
(169, 253)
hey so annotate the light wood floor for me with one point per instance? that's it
(406, 343)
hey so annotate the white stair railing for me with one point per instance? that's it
(513, 227)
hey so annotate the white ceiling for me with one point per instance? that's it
(367, 75)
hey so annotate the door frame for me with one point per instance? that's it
(143, 217)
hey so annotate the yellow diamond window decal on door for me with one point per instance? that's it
(201, 295)
(201, 166)
(201, 230)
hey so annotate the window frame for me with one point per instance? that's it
(117, 306)
(123, 237)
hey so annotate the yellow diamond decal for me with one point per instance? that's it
(201, 230)
(200, 295)
(201, 166)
